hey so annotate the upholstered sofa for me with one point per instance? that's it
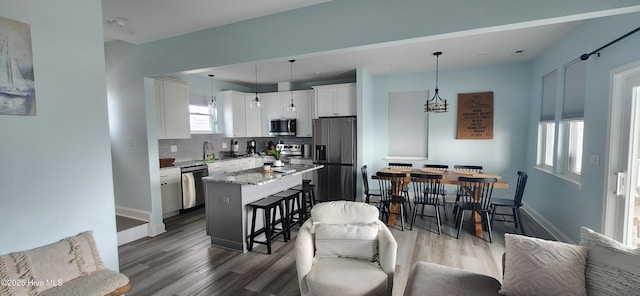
(344, 249)
(598, 266)
(70, 267)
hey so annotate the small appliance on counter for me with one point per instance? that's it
(251, 147)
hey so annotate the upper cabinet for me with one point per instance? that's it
(172, 102)
(243, 119)
(278, 103)
(303, 99)
(335, 100)
(241, 116)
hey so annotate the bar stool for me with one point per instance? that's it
(292, 206)
(308, 196)
(270, 205)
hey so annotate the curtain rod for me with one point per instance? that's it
(586, 56)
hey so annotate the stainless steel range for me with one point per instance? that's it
(289, 149)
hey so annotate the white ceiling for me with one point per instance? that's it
(150, 20)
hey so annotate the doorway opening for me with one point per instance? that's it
(622, 187)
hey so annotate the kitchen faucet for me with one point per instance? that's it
(206, 145)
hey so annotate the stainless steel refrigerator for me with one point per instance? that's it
(334, 142)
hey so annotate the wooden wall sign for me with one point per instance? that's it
(475, 116)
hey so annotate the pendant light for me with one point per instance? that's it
(213, 108)
(291, 108)
(257, 100)
(436, 104)
(212, 103)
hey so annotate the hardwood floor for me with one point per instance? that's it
(182, 261)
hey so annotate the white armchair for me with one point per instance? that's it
(343, 249)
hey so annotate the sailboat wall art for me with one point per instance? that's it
(17, 91)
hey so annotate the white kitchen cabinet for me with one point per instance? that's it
(335, 100)
(241, 117)
(216, 167)
(246, 163)
(253, 116)
(171, 191)
(303, 100)
(265, 114)
(172, 103)
(278, 103)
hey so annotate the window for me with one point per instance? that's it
(547, 136)
(574, 155)
(547, 128)
(201, 119)
(575, 77)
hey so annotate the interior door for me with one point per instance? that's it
(622, 204)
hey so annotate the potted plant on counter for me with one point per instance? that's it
(276, 155)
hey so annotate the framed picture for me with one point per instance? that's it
(475, 116)
(17, 92)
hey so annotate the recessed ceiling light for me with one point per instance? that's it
(387, 65)
(317, 72)
(482, 54)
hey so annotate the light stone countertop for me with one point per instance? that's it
(257, 176)
(188, 163)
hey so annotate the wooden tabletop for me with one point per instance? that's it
(449, 177)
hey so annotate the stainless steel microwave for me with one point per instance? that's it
(282, 127)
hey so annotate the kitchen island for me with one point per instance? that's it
(227, 195)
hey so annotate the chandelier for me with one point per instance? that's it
(436, 104)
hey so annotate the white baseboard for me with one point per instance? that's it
(133, 213)
(152, 230)
(548, 226)
(132, 234)
(156, 229)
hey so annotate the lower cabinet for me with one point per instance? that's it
(171, 191)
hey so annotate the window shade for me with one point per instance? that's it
(408, 124)
(549, 83)
(575, 78)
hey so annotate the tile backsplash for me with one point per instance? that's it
(191, 149)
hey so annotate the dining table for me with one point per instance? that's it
(449, 177)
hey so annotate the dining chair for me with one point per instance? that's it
(480, 188)
(400, 165)
(390, 183)
(403, 165)
(426, 190)
(368, 192)
(443, 192)
(466, 168)
(514, 204)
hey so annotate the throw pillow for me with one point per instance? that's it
(539, 267)
(347, 240)
(33, 271)
(612, 268)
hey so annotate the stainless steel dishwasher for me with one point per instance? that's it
(192, 185)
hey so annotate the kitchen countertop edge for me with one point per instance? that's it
(256, 176)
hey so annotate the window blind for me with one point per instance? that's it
(407, 124)
(549, 84)
(575, 78)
